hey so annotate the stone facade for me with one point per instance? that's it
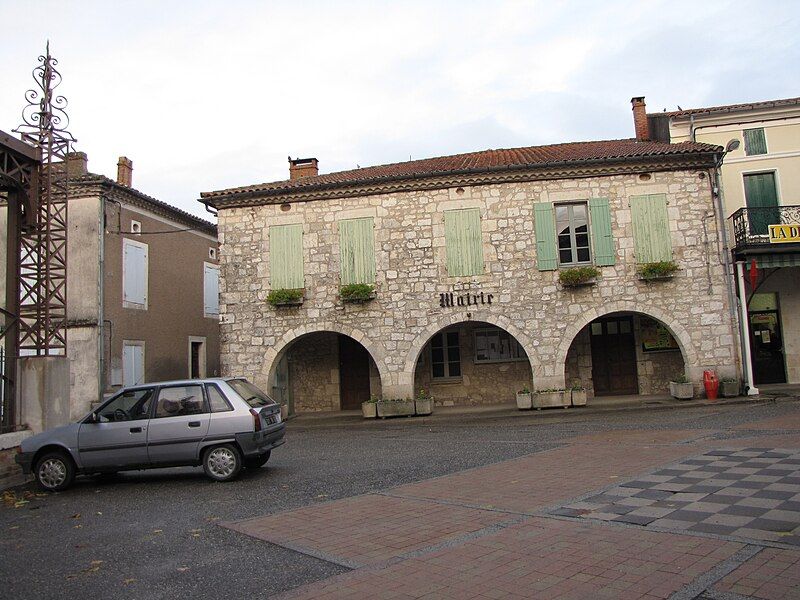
(530, 304)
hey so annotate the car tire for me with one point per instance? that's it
(256, 462)
(222, 463)
(54, 471)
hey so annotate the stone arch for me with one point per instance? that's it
(481, 316)
(274, 352)
(677, 330)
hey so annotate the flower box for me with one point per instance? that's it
(524, 401)
(286, 297)
(550, 398)
(423, 406)
(369, 410)
(729, 389)
(578, 397)
(357, 292)
(395, 408)
(681, 390)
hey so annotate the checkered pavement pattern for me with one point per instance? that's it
(750, 493)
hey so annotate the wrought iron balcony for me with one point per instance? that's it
(751, 226)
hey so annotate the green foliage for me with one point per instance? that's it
(657, 270)
(524, 390)
(680, 378)
(577, 275)
(423, 395)
(550, 390)
(285, 296)
(577, 388)
(373, 399)
(357, 292)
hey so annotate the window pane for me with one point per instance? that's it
(455, 369)
(180, 400)
(583, 255)
(624, 326)
(438, 370)
(437, 355)
(565, 256)
(216, 399)
(452, 338)
(564, 242)
(129, 406)
(582, 240)
(597, 328)
(578, 212)
(611, 327)
(562, 213)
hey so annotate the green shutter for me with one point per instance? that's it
(755, 142)
(603, 242)
(651, 236)
(545, 224)
(462, 232)
(357, 251)
(762, 202)
(286, 257)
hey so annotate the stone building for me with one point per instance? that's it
(466, 256)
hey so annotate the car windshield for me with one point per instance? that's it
(251, 394)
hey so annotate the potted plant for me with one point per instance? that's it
(548, 398)
(578, 276)
(395, 407)
(524, 401)
(423, 403)
(664, 269)
(578, 395)
(681, 388)
(285, 297)
(370, 408)
(357, 292)
(729, 387)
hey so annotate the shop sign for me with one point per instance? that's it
(784, 234)
(449, 299)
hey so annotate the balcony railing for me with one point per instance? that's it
(751, 225)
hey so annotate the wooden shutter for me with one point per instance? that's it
(134, 272)
(651, 235)
(602, 240)
(357, 250)
(462, 232)
(286, 257)
(545, 225)
(755, 142)
(761, 197)
(210, 290)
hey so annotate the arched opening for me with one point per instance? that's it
(323, 371)
(472, 362)
(624, 353)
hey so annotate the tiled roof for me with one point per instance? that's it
(730, 108)
(483, 161)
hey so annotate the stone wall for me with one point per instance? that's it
(528, 303)
(314, 372)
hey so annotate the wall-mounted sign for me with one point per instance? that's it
(656, 337)
(449, 299)
(784, 234)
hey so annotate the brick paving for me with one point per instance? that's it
(773, 573)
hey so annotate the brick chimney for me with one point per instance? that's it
(640, 119)
(125, 171)
(77, 164)
(303, 167)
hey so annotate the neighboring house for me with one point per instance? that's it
(465, 253)
(142, 288)
(761, 186)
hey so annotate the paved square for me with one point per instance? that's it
(751, 493)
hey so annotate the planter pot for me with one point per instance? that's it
(681, 391)
(579, 284)
(395, 408)
(423, 406)
(578, 397)
(524, 401)
(369, 409)
(729, 389)
(549, 399)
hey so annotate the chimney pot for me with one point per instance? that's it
(640, 118)
(303, 167)
(125, 171)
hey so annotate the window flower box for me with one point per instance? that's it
(551, 398)
(399, 407)
(578, 276)
(357, 292)
(286, 297)
(657, 271)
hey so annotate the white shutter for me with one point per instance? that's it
(132, 364)
(210, 290)
(134, 273)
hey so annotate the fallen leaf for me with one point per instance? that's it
(77, 526)
(71, 577)
(19, 503)
(76, 516)
(322, 496)
(128, 581)
(97, 562)
(183, 569)
(195, 535)
(158, 531)
(98, 513)
(14, 527)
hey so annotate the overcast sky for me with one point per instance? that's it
(208, 95)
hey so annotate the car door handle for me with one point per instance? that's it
(194, 423)
(136, 430)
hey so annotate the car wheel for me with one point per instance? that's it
(54, 471)
(222, 463)
(254, 462)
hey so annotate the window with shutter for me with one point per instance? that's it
(651, 235)
(755, 141)
(572, 229)
(286, 257)
(464, 246)
(210, 290)
(134, 274)
(357, 251)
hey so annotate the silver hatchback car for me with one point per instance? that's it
(221, 424)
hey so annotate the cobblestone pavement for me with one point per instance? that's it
(678, 513)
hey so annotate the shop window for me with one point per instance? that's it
(357, 251)
(755, 141)
(496, 345)
(651, 235)
(286, 257)
(462, 232)
(446, 356)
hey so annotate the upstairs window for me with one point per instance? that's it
(572, 228)
(210, 290)
(462, 232)
(134, 274)
(755, 141)
(651, 236)
(357, 251)
(286, 257)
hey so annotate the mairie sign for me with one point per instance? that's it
(782, 234)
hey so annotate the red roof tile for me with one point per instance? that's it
(730, 108)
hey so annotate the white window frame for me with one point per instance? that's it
(202, 357)
(573, 241)
(127, 303)
(136, 227)
(141, 344)
(215, 267)
(498, 331)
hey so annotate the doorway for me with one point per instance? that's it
(197, 357)
(766, 339)
(614, 356)
(353, 373)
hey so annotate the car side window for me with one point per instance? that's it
(180, 400)
(216, 400)
(130, 405)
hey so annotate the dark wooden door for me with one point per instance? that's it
(767, 347)
(353, 373)
(614, 356)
